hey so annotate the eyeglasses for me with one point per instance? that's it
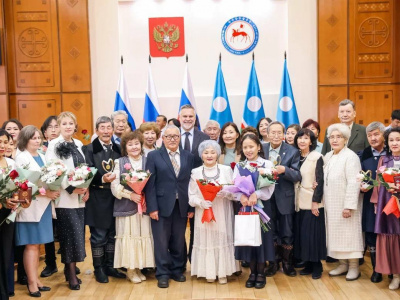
(170, 137)
(337, 137)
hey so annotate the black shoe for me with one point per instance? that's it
(308, 269)
(59, 251)
(66, 274)
(331, 259)
(77, 270)
(376, 277)
(316, 275)
(237, 273)
(316, 270)
(75, 287)
(100, 275)
(114, 273)
(11, 294)
(288, 269)
(361, 261)
(273, 267)
(287, 264)
(261, 281)
(390, 276)
(23, 280)
(48, 271)
(178, 277)
(36, 294)
(251, 282)
(299, 264)
(44, 289)
(245, 264)
(163, 283)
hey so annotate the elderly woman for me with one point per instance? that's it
(310, 239)
(33, 224)
(387, 227)
(316, 129)
(151, 133)
(213, 250)
(229, 141)
(134, 248)
(13, 127)
(69, 209)
(343, 204)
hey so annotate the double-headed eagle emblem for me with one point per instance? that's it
(166, 37)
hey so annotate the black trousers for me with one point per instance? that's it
(100, 237)
(370, 239)
(50, 250)
(282, 225)
(169, 243)
(6, 245)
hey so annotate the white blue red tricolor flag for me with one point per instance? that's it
(151, 106)
(187, 95)
(122, 101)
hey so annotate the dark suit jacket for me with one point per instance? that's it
(284, 189)
(99, 208)
(163, 184)
(198, 137)
(358, 140)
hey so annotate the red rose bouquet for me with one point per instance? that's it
(209, 190)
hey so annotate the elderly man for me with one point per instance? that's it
(119, 120)
(190, 141)
(358, 138)
(168, 205)
(286, 158)
(101, 154)
(212, 129)
(369, 163)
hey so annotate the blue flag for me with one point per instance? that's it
(187, 95)
(122, 99)
(253, 106)
(287, 113)
(220, 108)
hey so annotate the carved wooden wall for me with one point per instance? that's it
(358, 58)
(48, 60)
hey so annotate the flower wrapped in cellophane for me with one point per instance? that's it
(366, 181)
(209, 190)
(81, 177)
(52, 175)
(390, 179)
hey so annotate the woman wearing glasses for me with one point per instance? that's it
(342, 204)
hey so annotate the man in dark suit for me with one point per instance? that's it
(358, 138)
(168, 205)
(101, 154)
(191, 138)
(286, 158)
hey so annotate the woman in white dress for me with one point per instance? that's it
(213, 251)
(134, 247)
(343, 205)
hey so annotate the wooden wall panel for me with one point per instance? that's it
(329, 98)
(332, 42)
(4, 115)
(32, 46)
(81, 105)
(34, 109)
(74, 46)
(3, 108)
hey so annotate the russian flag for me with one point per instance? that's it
(287, 112)
(187, 96)
(253, 106)
(220, 109)
(122, 99)
(151, 106)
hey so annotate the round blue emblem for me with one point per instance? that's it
(239, 35)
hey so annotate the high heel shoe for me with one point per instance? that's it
(75, 287)
(66, 274)
(44, 289)
(36, 294)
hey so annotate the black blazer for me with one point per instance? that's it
(163, 184)
(99, 208)
(198, 137)
(284, 189)
(358, 140)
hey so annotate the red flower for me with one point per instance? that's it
(213, 184)
(233, 164)
(84, 131)
(254, 165)
(24, 186)
(13, 174)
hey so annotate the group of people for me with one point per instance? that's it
(318, 209)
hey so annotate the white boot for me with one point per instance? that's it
(133, 276)
(354, 271)
(395, 283)
(140, 274)
(341, 269)
(222, 280)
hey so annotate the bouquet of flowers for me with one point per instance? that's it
(366, 181)
(81, 177)
(267, 177)
(209, 190)
(52, 174)
(25, 172)
(7, 185)
(390, 179)
(136, 180)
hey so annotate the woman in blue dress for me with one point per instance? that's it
(33, 224)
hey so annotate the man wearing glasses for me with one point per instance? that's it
(286, 160)
(168, 205)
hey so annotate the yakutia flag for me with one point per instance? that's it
(122, 99)
(220, 109)
(151, 106)
(187, 96)
(253, 106)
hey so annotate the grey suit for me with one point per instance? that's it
(358, 140)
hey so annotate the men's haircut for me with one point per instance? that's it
(187, 106)
(175, 121)
(162, 116)
(117, 113)
(347, 101)
(375, 125)
(103, 119)
(211, 123)
(169, 127)
(276, 123)
(396, 114)
(47, 123)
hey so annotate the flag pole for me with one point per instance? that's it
(122, 59)
(220, 56)
(285, 55)
(187, 58)
(253, 56)
(149, 59)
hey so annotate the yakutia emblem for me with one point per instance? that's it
(166, 37)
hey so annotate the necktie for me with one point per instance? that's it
(118, 140)
(107, 148)
(187, 142)
(174, 163)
